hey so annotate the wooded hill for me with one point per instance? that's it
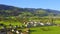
(6, 11)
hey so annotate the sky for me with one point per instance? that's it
(45, 4)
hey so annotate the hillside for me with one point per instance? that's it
(7, 11)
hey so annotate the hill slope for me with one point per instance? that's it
(6, 10)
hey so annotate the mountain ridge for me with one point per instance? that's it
(15, 11)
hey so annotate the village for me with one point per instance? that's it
(34, 24)
(24, 29)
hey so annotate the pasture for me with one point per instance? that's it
(46, 30)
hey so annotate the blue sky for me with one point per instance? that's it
(46, 4)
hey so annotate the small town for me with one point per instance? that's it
(29, 16)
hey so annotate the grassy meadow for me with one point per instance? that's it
(48, 30)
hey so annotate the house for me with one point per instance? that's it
(42, 24)
(17, 32)
(48, 23)
(35, 25)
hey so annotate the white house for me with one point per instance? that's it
(42, 24)
(17, 32)
(35, 24)
(12, 30)
(48, 23)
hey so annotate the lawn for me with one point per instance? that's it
(12, 23)
(48, 30)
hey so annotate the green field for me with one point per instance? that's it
(47, 30)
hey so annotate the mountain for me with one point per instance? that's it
(6, 11)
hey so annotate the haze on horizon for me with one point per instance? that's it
(45, 4)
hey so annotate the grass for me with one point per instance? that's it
(51, 30)
(12, 23)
